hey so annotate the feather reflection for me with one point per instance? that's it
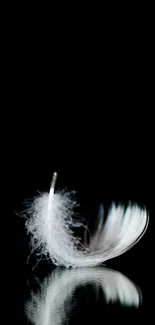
(53, 303)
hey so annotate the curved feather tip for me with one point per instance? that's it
(50, 222)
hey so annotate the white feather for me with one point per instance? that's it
(57, 291)
(50, 226)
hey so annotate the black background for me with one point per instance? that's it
(101, 153)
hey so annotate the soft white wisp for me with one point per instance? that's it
(48, 306)
(50, 222)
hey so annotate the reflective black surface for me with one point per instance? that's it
(101, 168)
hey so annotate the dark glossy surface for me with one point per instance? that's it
(101, 168)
